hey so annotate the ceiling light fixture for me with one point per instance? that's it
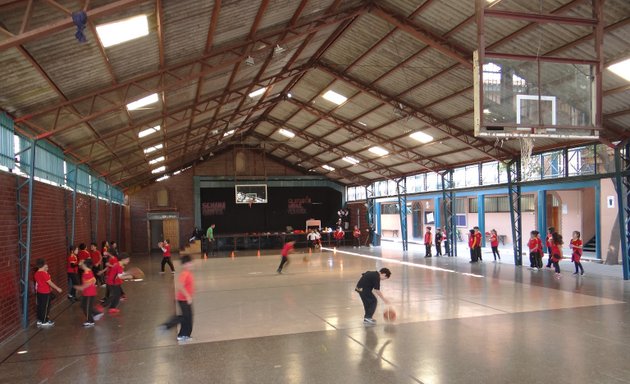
(379, 151)
(286, 133)
(421, 137)
(328, 167)
(257, 92)
(334, 97)
(152, 98)
(162, 178)
(278, 49)
(228, 133)
(250, 61)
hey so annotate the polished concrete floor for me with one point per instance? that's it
(457, 323)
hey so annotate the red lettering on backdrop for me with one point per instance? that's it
(296, 206)
(215, 208)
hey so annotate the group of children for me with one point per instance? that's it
(86, 271)
(554, 243)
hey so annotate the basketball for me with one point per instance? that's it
(389, 314)
(135, 272)
(160, 244)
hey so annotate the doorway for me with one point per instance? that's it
(161, 229)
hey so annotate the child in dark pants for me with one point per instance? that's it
(43, 284)
(89, 294)
(288, 248)
(370, 282)
(576, 255)
(185, 288)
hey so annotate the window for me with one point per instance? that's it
(494, 204)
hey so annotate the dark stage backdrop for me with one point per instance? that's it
(288, 206)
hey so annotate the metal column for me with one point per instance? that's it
(448, 199)
(370, 205)
(622, 165)
(514, 187)
(24, 226)
(401, 190)
(74, 203)
(95, 227)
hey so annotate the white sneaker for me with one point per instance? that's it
(49, 323)
(99, 316)
(39, 323)
(369, 321)
(88, 324)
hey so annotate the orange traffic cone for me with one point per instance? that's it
(258, 254)
(232, 255)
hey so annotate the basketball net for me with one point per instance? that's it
(527, 165)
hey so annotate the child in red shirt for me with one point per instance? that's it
(535, 250)
(165, 246)
(73, 273)
(556, 252)
(43, 283)
(576, 256)
(428, 242)
(288, 248)
(115, 275)
(494, 244)
(356, 233)
(89, 294)
(185, 288)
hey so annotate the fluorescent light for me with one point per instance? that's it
(258, 92)
(153, 148)
(289, 95)
(621, 69)
(228, 133)
(350, 160)
(149, 131)
(159, 169)
(421, 137)
(286, 133)
(153, 98)
(335, 97)
(123, 30)
(379, 151)
(328, 167)
(157, 160)
(362, 123)
(162, 178)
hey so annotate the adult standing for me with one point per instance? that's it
(184, 291)
(368, 284)
(210, 240)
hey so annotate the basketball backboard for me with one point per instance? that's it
(534, 98)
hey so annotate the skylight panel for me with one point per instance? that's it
(123, 30)
(351, 160)
(149, 131)
(157, 160)
(621, 69)
(379, 151)
(421, 137)
(334, 97)
(153, 148)
(159, 169)
(153, 98)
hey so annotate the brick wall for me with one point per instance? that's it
(51, 226)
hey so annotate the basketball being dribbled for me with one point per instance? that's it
(135, 272)
(389, 315)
